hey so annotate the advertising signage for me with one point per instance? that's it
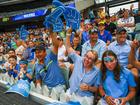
(6, 19)
(29, 15)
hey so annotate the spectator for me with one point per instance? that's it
(103, 34)
(76, 44)
(31, 36)
(84, 79)
(121, 47)
(19, 54)
(46, 68)
(2, 57)
(25, 73)
(127, 22)
(110, 26)
(13, 67)
(28, 54)
(61, 50)
(114, 19)
(85, 33)
(94, 44)
(116, 83)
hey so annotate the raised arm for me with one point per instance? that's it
(131, 57)
(67, 44)
(55, 42)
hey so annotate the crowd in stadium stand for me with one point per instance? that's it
(103, 59)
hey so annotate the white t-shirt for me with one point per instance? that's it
(61, 53)
(127, 21)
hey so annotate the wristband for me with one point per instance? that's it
(68, 34)
(104, 96)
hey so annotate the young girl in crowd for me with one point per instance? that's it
(117, 83)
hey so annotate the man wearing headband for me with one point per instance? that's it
(85, 76)
(135, 46)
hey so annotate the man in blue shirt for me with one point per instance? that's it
(84, 80)
(28, 54)
(121, 47)
(13, 68)
(47, 69)
(85, 34)
(94, 44)
(104, 34)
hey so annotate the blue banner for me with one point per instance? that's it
(22, 87)
(23, 33)
(29, 15)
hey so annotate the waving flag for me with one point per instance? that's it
(55, 20)
(71, 15)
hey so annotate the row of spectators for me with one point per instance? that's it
(96, 55)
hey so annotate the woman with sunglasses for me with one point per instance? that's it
(117, 83)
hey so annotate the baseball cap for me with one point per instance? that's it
(93, 31)
(121, 29)
(101, 23)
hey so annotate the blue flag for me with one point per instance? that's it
(71, 15)
(55, 20)
(23, 32)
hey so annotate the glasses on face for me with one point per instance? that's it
(89, 58)
(108, 59)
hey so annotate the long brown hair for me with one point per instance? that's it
(117, 69)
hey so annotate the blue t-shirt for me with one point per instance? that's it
(53, 76)
(105, 37)
(29, 71)
(118, 89)
(85, 37)
(12, 73)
